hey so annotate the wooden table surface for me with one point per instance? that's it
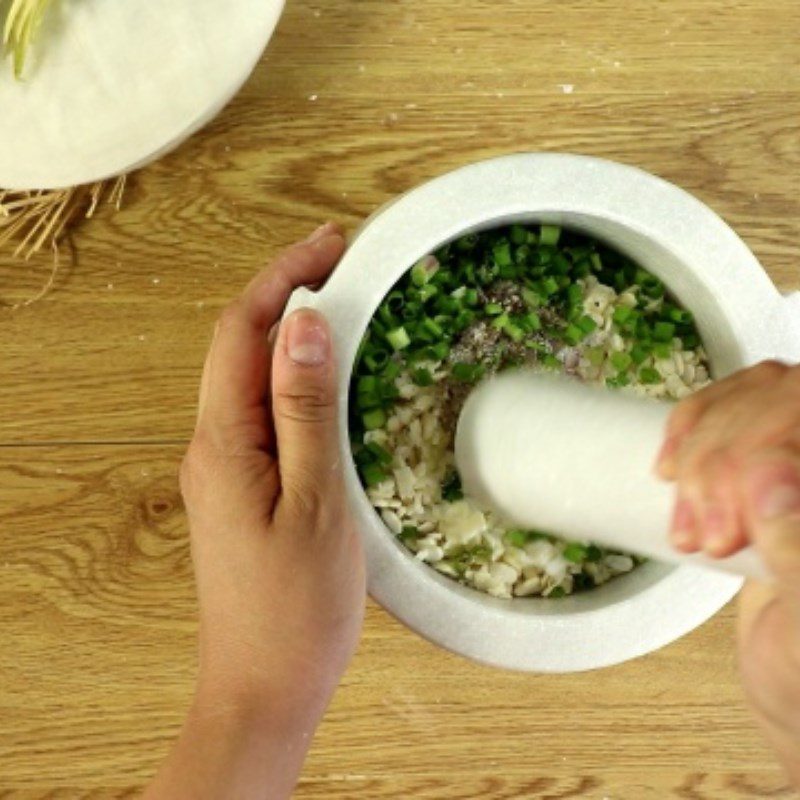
(354, 103)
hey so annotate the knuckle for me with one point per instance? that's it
(702, 463)
(313, 403)
(768, 370)
(305, 497)
(685, 414)
(229, 316)
(781, 550)
(287, 265)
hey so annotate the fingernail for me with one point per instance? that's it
(307, 340)
(320, 232)
(779, 500)
(715, 529)
(683, 525)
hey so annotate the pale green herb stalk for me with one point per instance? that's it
(22, 22)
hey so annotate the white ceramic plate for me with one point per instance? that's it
(115, 84)
(742, 319)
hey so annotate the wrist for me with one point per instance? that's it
(786, 745)
(258, 707)
(232, 746)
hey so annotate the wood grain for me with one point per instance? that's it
(97, 607)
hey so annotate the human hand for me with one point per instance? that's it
(734, 451)
(278, 562)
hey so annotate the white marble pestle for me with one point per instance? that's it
(552, 454)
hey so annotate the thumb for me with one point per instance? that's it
(304, 407)
(773, 494)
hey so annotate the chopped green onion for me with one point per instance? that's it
(395, 301)
(522, 254)
(531, 298)
(493, 309)
(467, 373)
(467, 242)
(549, 235)
(531, 322)
(433, 327)
(618, 381)
(368, 400)
(595, 355)
(550, 285)
(427, 291)
(383, 455)
(622, 314)
(391, 371)
(680, 316)
(662, 350)
(514, 332)
(586, 324)
(386, 316)
(398, 338)
(621, 361)
(551, 362)
(374, 419)
(638, 354)
(518, 234)
(690, 341)
(464, 319)
(574, 295)
(376, 359)
(411, 311)
(561, 265)
(652, 286)
(501, 321)
(423, 271)
(582, 268)
(575, 552)
(447, 305)
(539, 347)
(593, 553)
(502, 254)
(422, 377)
(649, 375)
(440, 351)
(372, 474)
(471, 297)
(409, 533)
(451, 488)
(367, 383)
(516, 538)
(663, 331)
(573, 334)
(388, 391)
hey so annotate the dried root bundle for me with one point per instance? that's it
(30, 221)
